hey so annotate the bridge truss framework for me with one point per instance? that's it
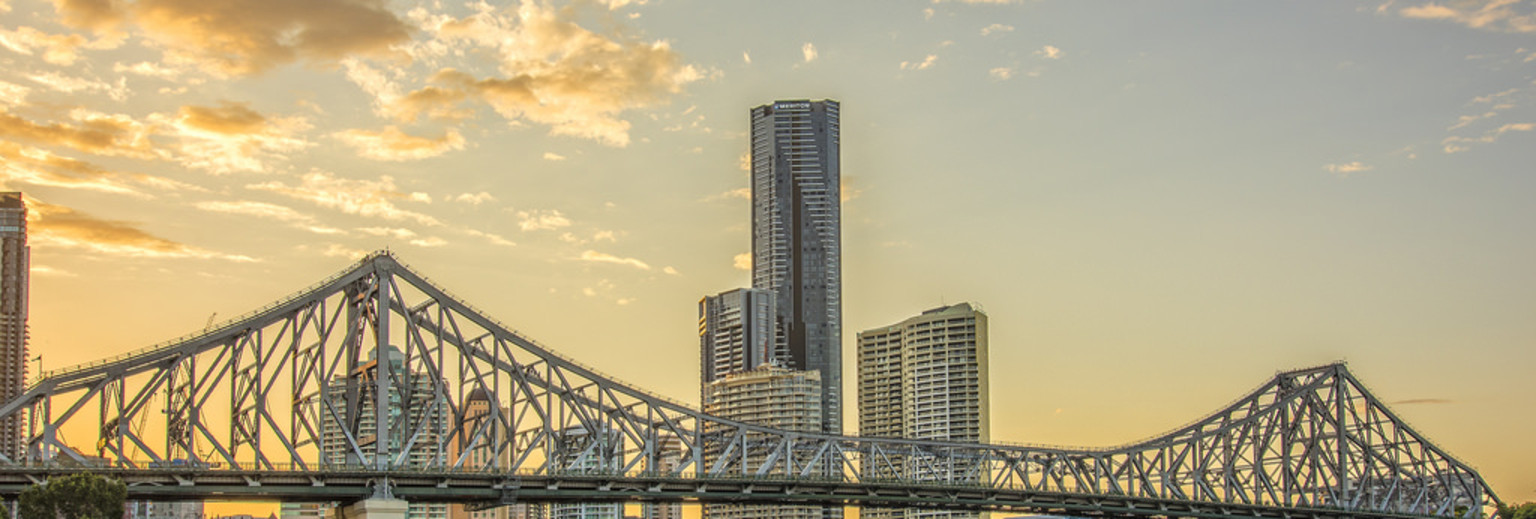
(281, 404)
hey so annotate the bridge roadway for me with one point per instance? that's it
(483, 489)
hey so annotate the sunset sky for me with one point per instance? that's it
(1159, 204)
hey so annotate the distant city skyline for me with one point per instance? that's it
(1168, 202)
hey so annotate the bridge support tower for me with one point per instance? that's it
(372, 508)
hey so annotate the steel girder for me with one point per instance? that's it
(294, 388)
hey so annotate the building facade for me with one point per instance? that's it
(578, 450)
(736, 332)
(669, 457)
(796, 236)
(15, 265)
(482, 425)
(429, 410)
(163, 510)
(771, 396)
(925, 378)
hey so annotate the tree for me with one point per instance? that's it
(1525, 511)
(76, 496)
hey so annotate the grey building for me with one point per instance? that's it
(14, 272)
(796, 237)
(736, 332)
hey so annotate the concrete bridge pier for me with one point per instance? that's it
(372, 508)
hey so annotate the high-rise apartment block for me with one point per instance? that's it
(796, 237)
(771, 396)
(579, 450)
(736, 332)
(353, 397)
(925, 378)
(669, 458)
(14, 273)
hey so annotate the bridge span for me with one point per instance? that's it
(376, 382)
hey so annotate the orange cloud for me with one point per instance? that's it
(228, 118)
(28, 165)
(360, 197)
(91, 14)
(58, 226)
(233, 137)
(235, 37)
(1493, 15)
(554, 72)
(92, 132)
(391, 144)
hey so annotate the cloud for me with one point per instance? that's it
(542, 220)
(1457, 144)
(1347, 168)
(808, 51)
(12, 94)
(553, 157)
(746, 58)
(233, 38)
(995, 29)
(372, 199)
(90, 14)
(58, 49)
(1049, 52)
(90, 132)
(391, 144)
(744, 193)
(553, 72)
(668, 270)
(59, 226)
(150, 69)
(71, 85)
(599, 257)
(998, 2)
(1001, 73)
(232, 137)
(920, 65)
(742, 261)
(430, 241)
(28, 165)
(1490, 15)
(1415, 401)
(493, 238)
(475, 199)
(44, 270)
(336, 250)
(269, 211)
(393, 232)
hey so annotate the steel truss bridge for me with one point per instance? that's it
(284, 403)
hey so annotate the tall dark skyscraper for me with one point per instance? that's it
(14, 271)
(797, 237)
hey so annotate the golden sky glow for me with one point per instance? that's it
(1159, 204)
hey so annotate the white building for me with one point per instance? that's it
(925, 378)
(771, 396)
